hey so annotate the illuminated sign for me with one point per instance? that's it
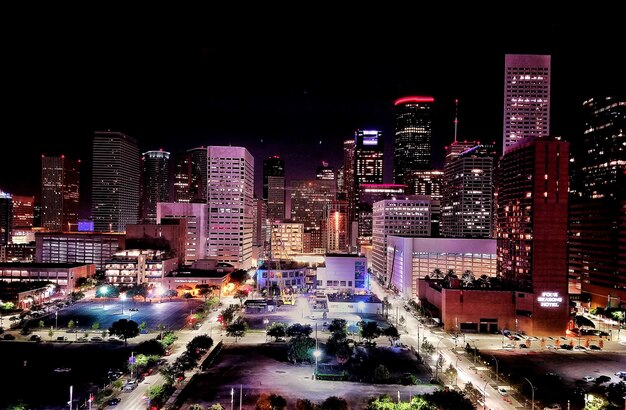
(550, 299)
(370, 132)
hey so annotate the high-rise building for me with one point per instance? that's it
(286, 240)
(456, 148)
(6, 217)
(325, 171)
(526, 98)
(23, 211)
(274, 187)
(155, 187)
(348, 180)
(260, 234)
(196, 217)
(368, 162)
(78, 247)
(409, 216)
(59, 193)
(597, 232)
(428, 182)
(467, 206)
(190, 176)
(368, 195)
(115, 184)
(336, 227)
(531, 229)
(412, 145)
(230, 199)
(309, 198)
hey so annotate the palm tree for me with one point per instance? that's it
(483, 281)
(468, 278)
(437, 274)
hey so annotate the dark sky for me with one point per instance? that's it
(294, 89)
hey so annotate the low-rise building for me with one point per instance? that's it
(360, 304)
(63, 275)
(78, 247)
(190, 280)
(133, 267)
(343, 273)
(282, 275)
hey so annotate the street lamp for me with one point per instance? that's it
(103, 291)
(317, 354)
(123, 298)
(265, 322)
(494, 358)
(56, 320)
(532, 394)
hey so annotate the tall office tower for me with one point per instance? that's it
(412, 145)
(368, 162)
(467, 206)
(341, 183)
(155, 187)
(230, 199)
(369, 194)
(325, 171)
(260, 222)
(336, 227)
(348, 179)
(6, 217)
(115, 184)
(428, 182)
(37, 214)
(456, 148)
(23, 211)
(526, 98)
(59, 193)
(531, 229)
(597, 210)
(190, 176)
(409, 216)
(274, 187)
(309, 198)
(182, 177)
(196, 217)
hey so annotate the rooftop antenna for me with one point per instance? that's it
(456, 117)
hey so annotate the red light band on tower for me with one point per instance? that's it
(414, 98)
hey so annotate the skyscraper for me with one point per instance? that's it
(60, 195)
(368, 162)
(23, 209)
(325, 171)
(597, 232)
(115, 184)
(412, 145)
(230, 200)
(190, 173)
(531, 229)
(309, 199)
(274, 187)
(336, 227)
(526, 98)
(182, 177)
(467, 207)
(6, 216)
(155, 187)
(348, 182)
(428, 182)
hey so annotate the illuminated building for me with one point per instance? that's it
(169, 235)
(274, 187)
(135, 266)
(409, 217)
(286, 240)
(597, 237)
(427, 182)
(6, 217)
(336, 226)
(230, 199)
(368, 194)
(526, 98)
(63, 275)
(343, 273)
(190, 176)
(196, 222)
(59, 193)
(23, 209)
(155, 187)
(77, 247)
(115, 181)
(309, 198)
(467, 206)
(325, 171)
(413, 135)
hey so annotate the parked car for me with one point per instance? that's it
(523, 346)
(97, 339)
(35, 338)
(502, 391)
(580, 348)
(620, 373)
(114, 401)
(8, 336)
(508, 346)
(61, 338)
(595, 347)
(589, 379)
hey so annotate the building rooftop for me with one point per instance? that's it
(338, 297)
(282, 265)
(41, 265)
(197, 273)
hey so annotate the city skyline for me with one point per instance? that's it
(300, 104)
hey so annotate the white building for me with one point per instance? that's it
(230, 194)
(526, 98)
(133, 267)
(196, 216)
(343, 273)
(410, 259)
(286, 240)
(406, 217)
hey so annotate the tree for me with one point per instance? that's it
(41, 324)
(368, 330)
(276, 330)
(270, 402)
(124, 328)
(392, 334)
(228, 315)
(451, 372)
(216, 406)
(213, 302)
(204, 290)
(297, 329)
(71, 324)
(142, 326)
(484, 281)
(237, 329)
(76, 296)
(196, 407)
(338, 326)
(436, 274)
(239, 277)
(95, 326)
(304, 404)
(51, 333)
(150, 347)
(381, 373)
(595, 401)
(428, 348)
(449, 399)
(241, 294)
(301, 349)
(202, 342)
(468, 278)
(170, 293)
(139, 290)
(334, 403)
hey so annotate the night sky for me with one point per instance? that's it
(295, 89)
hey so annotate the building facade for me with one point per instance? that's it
(23, 209)
(531, 229)
(309, 198)
(335, 228)
(526, 98)
(409, 217)
(368, 194)
(413, 136)
(115, 181)
(230, 199)
(196, 220)
(60, 179)
(77, 247)
(286, 240)
(274, 187)
(134, 267)
(6, 217)
(155, 187)
(343, 273)
(64, 275)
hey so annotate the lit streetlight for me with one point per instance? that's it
(497, 375)
(123, 298)
(532, 394)
(265, 322)
(317, 354)
(103, 291)
(56, 320)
